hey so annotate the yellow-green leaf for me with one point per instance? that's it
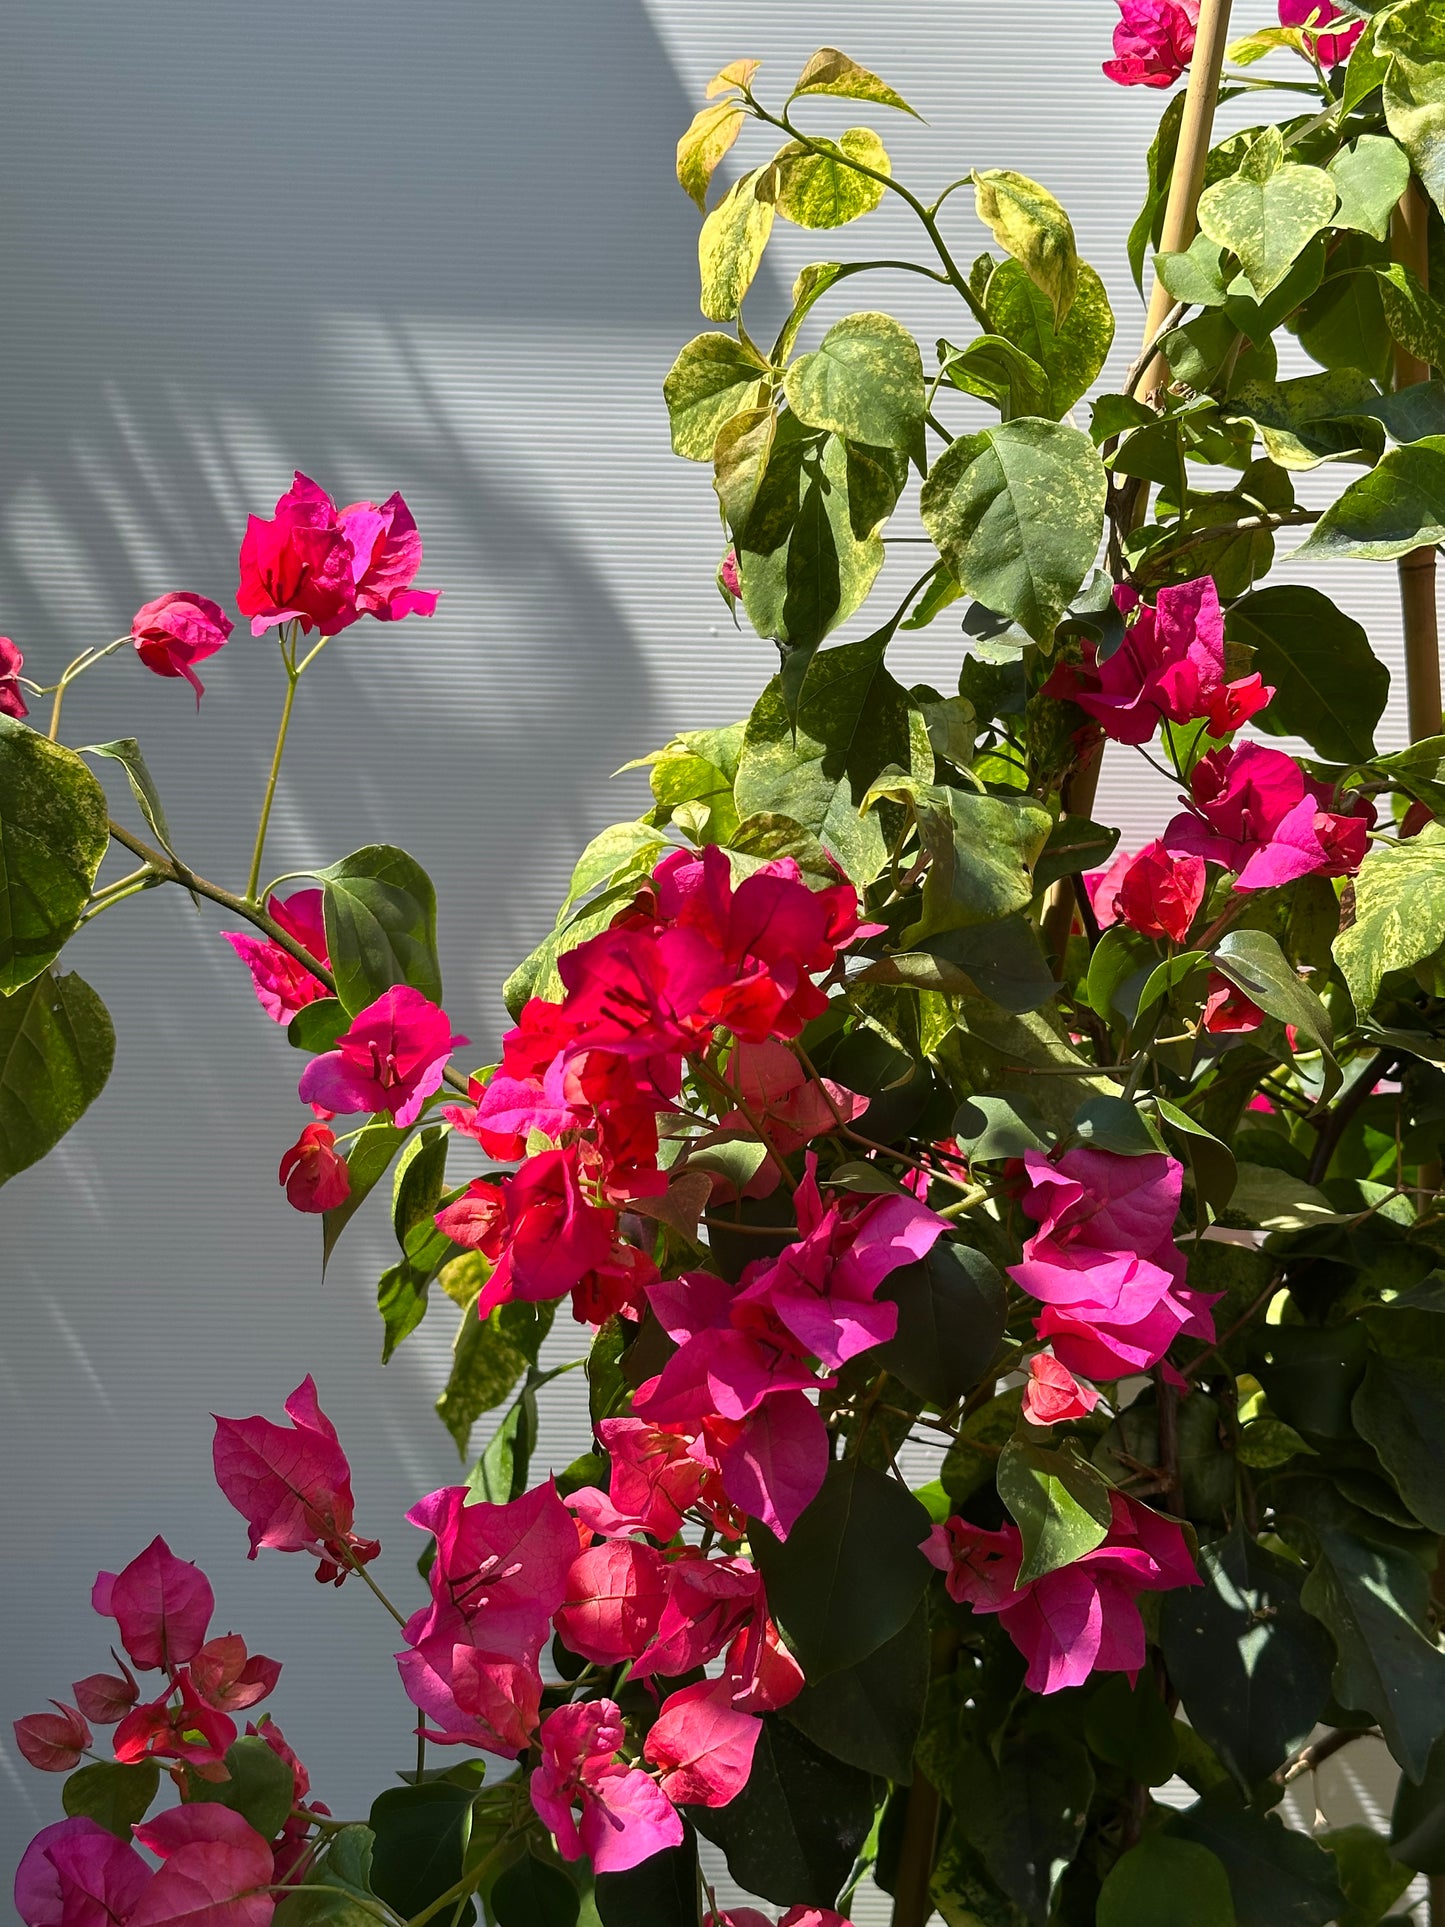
(1268, 212)
(1414, 88)
(731, 246)
(1028, 223)
(1254, 46)
(713, 379)
(712, 133)
(1399, 913)
(1369, 175)
(818, 185)
(832, 72)
(737, 73)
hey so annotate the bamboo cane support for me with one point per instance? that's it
(1409, 244)
(1181, 210)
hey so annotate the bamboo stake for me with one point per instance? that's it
(1186, 181)
(1409, 245)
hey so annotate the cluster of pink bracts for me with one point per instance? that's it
(1155, 38)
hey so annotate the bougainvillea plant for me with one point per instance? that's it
(868, 1109)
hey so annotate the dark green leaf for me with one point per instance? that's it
(421, 1835)
(533, 1893)
(1310, 1373)
(999, 1127)
(1072, 356)
(1004, 961)
(793, 1833)
(1342, 325)
(344, 1871)
(864, 382)
(486, 1364)
(53, 833)
(1372, 1599)
(380, 912)
(1017, 513)
(368, 1161)
(261, 1788)
(1253, 960)
(1122, 959)
(1059, 1503)
(661, 1892)
(1164, 1879)
(1024, 1812)
(1251, 1666)
(1117, 1124)
(1330, 687)
(870, 1714)
(850, 1573)
(56, 1049)
(1211, 1163)
(1075, 844)
(1370, 1878)
(115, 1796)
(996, 371)
(951, 1310)
(972, 1459)
(1131, 1728)
(1398, 506)
(1400, 1410)
(317, 1025)
(1149, 224)
(1277, 1877)
(853, 721)
(1417, 1824)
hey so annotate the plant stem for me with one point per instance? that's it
(912, 1901)
(293, 676)
(362, 1573)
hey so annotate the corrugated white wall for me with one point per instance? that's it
(436, 248)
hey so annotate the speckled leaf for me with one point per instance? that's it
(53, 834)
(1414, 88)
(56, 1049)
(1029, 224)
(1071, 355)
(1399, 913)
(1268, 212)
(1414, 317)
(1017, 512)
(831, 72)
(816, 186)
(864, 381)
(731, 246)
(1369, 175)
(712, 380)
(1398, 506)
(711, 134)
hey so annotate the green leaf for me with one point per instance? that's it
(951, 1310)
(1397, 507)
(710, 134)
(419, 1180)
(317, 1025)
(1414, 317)
(996, 371)
(731, 245)
(1342, 325)
(661, 1891)
(1277, 1201)
(1075, 845)
(817, 188)
(850, 1573)
(1399, 913)
(1131, 1727)
(1414, 89)
(870, 1714)
(344, 1870)
(114, 1796)
(1369, 175)
(864, 382)
(1211, 1163)
(1370, 1879)
(1268, 212)
(421, 1835)
(1002, 961)
(1024, 1812)
(1253, 960)
(1417, 1824)
(853, 721)
(713, 379)
(486, 1364)
(126, 751)
(1071, 353)
(1400, 1410)
(1364, 73)
(533, 1893)
(53, 833)
(1164, 1879)
(988, 1128)
(380, 913)
(1277, 1877)
(831, 72)
(983, 849)
(1313, 418)
(809, 550)
(1017, 512)
(793, 1833)
(1195, 276)
(56, 1049)
(1251, 1666)
(1058, 1501)
(1029, 224)
(1121, 958)
(368, 1161)
(1372, 1599)
(261, 1788)
(1117, 1124)
(1148, 225)
(1330, 687)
